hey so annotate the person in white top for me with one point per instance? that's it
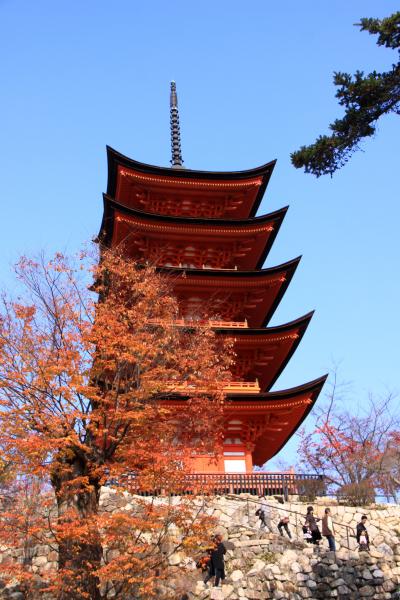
(264, 514)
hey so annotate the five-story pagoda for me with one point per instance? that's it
(202, 227)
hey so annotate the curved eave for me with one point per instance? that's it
(290, 265)
(111, 205)
(313, 389)
(269, 401)
(116, 159)
(300, 325)
(290, 271)
(288, 268)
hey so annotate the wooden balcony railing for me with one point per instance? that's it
(255, 484)
(233, 387)
(208, 323)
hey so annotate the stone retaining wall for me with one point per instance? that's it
(263, 565)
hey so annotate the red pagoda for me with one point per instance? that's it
(203, 226)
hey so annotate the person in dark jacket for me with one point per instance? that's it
(327, 529)
(362, 534)
(284, 524)
(311, 525)
(217, 563)
(205, 563)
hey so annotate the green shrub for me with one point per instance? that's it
(268, 557)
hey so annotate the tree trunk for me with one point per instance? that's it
(79, 557)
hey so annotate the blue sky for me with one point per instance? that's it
(254, 83)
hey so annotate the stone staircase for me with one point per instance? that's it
(264, 565)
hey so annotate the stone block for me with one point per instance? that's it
(39, 561)
(385, 549)
(388, 585)
(42, 550)
(275, 569)
(289, 555)
(257, 566)
(175, 559)
(295, 567)
(337, 582)
(366, 574)
(366, 591)
(378, 573)
(227, 590)
(378, 539)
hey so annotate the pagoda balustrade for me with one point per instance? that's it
(255, 484)
(233, 387)
(205, 323)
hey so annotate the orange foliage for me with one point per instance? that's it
(353, 448)
(84, 372)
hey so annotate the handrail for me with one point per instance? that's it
(297, 513)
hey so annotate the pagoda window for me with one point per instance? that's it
(232, 441)
(234, 425)
(234, 453)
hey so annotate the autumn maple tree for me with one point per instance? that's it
(88, 380)
(355, 450)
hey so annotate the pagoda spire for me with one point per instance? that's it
(176, 160)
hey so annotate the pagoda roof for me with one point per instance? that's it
(282, 413)
(259, 292)
(264, 353)
(253, 181)
(258, 231)
(266, 420)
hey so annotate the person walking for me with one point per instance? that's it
(327, 529)
(264, 515)
(311, 525)
(362, 534)
(217, 564)
(284, 524)
(205, 563)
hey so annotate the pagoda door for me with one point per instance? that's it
(235, 466)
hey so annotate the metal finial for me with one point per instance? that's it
(176, 160)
